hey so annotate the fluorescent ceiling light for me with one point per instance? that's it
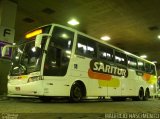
(158, 36)
(143, 56)
(73, 22)
(105, 38)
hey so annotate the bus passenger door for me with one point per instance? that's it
(56, 62)
(55, 69)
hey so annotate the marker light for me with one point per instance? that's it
(34, 33)
(73, 22)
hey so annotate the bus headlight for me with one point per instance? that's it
(35, 78)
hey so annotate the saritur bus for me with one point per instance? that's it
(58, 61)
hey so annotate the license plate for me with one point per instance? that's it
(17, 88)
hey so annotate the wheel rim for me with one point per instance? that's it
(77, 93)
(146, 95)
(141, 95)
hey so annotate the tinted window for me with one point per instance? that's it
(59, 52)
(141, 65)
(147, 67)
(62, 38)
(105, 53)
(132, 62)
(150, 68)
(153, 69)
(86, 47)
(120, 58)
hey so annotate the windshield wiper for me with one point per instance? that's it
(24, 68)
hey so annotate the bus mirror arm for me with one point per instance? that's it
(4, 49)
(45, 51)
(39, 38)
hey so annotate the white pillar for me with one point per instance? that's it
(7, 20)
(8, 11)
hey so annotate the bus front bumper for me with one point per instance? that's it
(28, 89)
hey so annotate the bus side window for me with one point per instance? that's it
(51, 62)
(141, 65)
(123, 59)
(59, 52)
(132, 62)
(81, 47)
(153, 69)
(86, 47)
(120, 58)
(105, 53)
(149, 68)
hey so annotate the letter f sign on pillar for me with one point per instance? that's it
(6, 32)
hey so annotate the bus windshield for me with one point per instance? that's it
(26, 59)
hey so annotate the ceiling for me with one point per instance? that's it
(133, 25)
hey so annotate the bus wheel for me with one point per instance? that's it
(76, 93)
(147, 94)
(140, 95)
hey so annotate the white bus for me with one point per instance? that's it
(57, 61)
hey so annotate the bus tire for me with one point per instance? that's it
(147, 94)
(140, 96)
(76, 93)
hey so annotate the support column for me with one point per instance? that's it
(8, 11)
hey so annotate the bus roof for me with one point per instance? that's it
(100, 41)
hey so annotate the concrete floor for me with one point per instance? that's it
(88, 109)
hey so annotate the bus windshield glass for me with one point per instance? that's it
(26, 57)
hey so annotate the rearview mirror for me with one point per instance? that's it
(6, 48)
(39, 38)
